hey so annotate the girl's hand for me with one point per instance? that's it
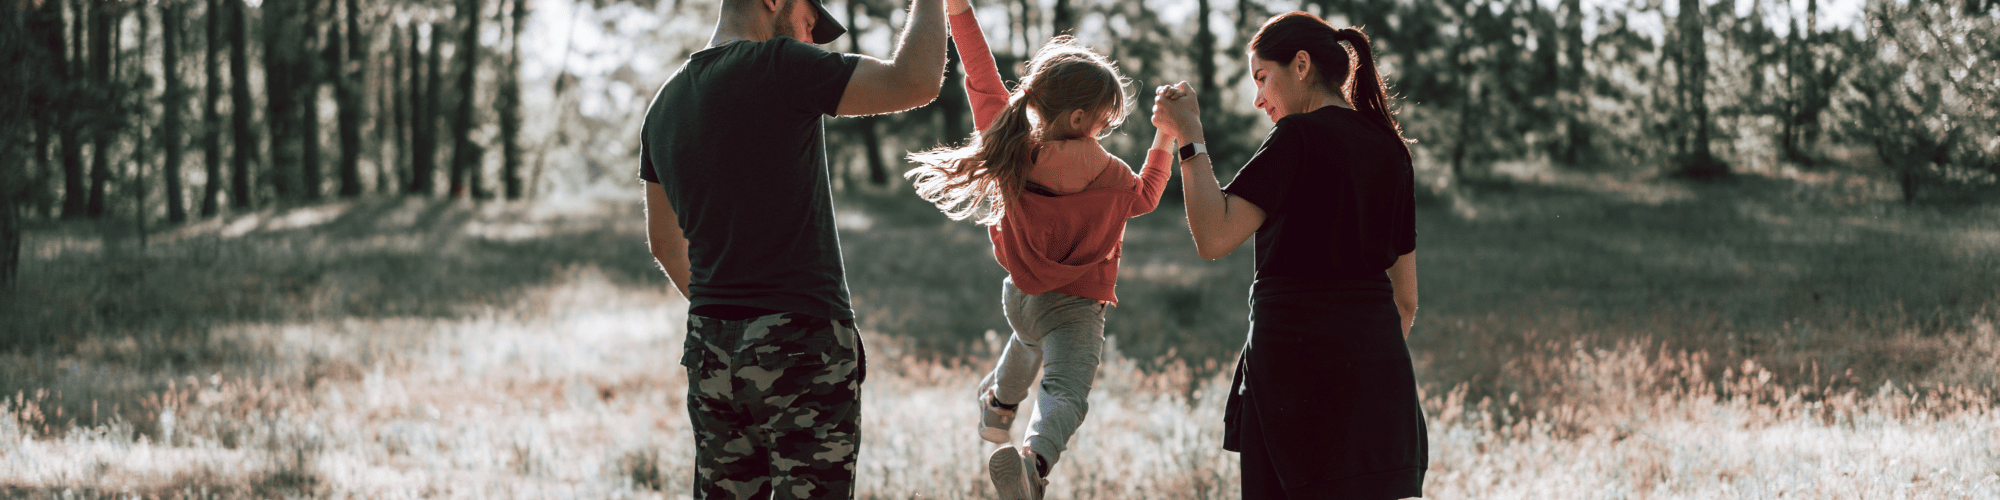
(1177, 112)
(956, 7)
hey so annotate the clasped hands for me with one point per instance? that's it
(1177, 113)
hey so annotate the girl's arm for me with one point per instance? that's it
(982, 76)
(1153, 177)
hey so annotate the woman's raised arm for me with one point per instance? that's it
(1218, 221)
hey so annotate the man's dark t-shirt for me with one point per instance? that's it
(734, 139)
(1338, 197)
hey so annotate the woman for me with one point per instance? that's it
(1325, 399)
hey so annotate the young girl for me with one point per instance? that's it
(1056, 203)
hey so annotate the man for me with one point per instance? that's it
(739, 213)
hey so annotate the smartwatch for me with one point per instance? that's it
(1190, 149)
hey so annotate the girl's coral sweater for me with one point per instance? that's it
(1068, 244)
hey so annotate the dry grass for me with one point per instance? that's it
(1752, 340)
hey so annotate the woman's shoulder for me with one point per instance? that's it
(1328, 125)
(1327, 118)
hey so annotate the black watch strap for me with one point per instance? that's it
(1188, 150)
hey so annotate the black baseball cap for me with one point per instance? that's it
(825, 30)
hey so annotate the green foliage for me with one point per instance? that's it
(1482, 82)
(1926, 94)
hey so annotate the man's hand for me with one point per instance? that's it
(956, 7)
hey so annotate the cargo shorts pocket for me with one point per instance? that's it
(691, 351)
(798, 357)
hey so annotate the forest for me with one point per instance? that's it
(162, 111)
(395, 249)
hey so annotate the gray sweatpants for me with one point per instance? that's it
(1063, 333)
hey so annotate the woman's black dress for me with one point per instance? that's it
(1325, 400)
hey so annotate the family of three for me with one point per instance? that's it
(740, 216)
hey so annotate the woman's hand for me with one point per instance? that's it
(956, 7)
(1177, 112)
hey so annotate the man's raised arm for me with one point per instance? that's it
(911, 77)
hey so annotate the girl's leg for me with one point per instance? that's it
(1022, 358)
(1074, 345)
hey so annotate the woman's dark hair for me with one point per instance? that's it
(1286, 34)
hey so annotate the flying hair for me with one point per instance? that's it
(978, 181)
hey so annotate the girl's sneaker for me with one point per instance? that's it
(1015, 474)
(996, 423)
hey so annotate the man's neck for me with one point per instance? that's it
(732, 30)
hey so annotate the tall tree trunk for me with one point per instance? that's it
(312, 69)
(1027, 21)
(211, 128)
(1062, 20)
(465, 156)
(41, 47)
(18, 59)
(170, 119)
(510, 105)
(141, 155)
(1204, 55)
(425, 80)
(379, 81)
(1808, 118)
(1543, 28)
(1573, 78)
(62, 116)
(953, 97)
(281, 94)
(396, 83)
(1791, 51)
(1467, 82)
(383, 85)
(1700, 163)
(101, 130)
(241, 135)
(347, 88)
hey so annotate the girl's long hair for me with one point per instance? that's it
(1287, 34)
(981, 178)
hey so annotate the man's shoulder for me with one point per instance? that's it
(777, 47)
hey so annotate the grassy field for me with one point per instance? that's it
(1580, 337)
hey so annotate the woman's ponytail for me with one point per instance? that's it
(1370, 95)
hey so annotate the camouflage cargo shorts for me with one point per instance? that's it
(776, 406)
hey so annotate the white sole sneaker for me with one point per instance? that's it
(995, 435)
(1014, 475)
(995, 424)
